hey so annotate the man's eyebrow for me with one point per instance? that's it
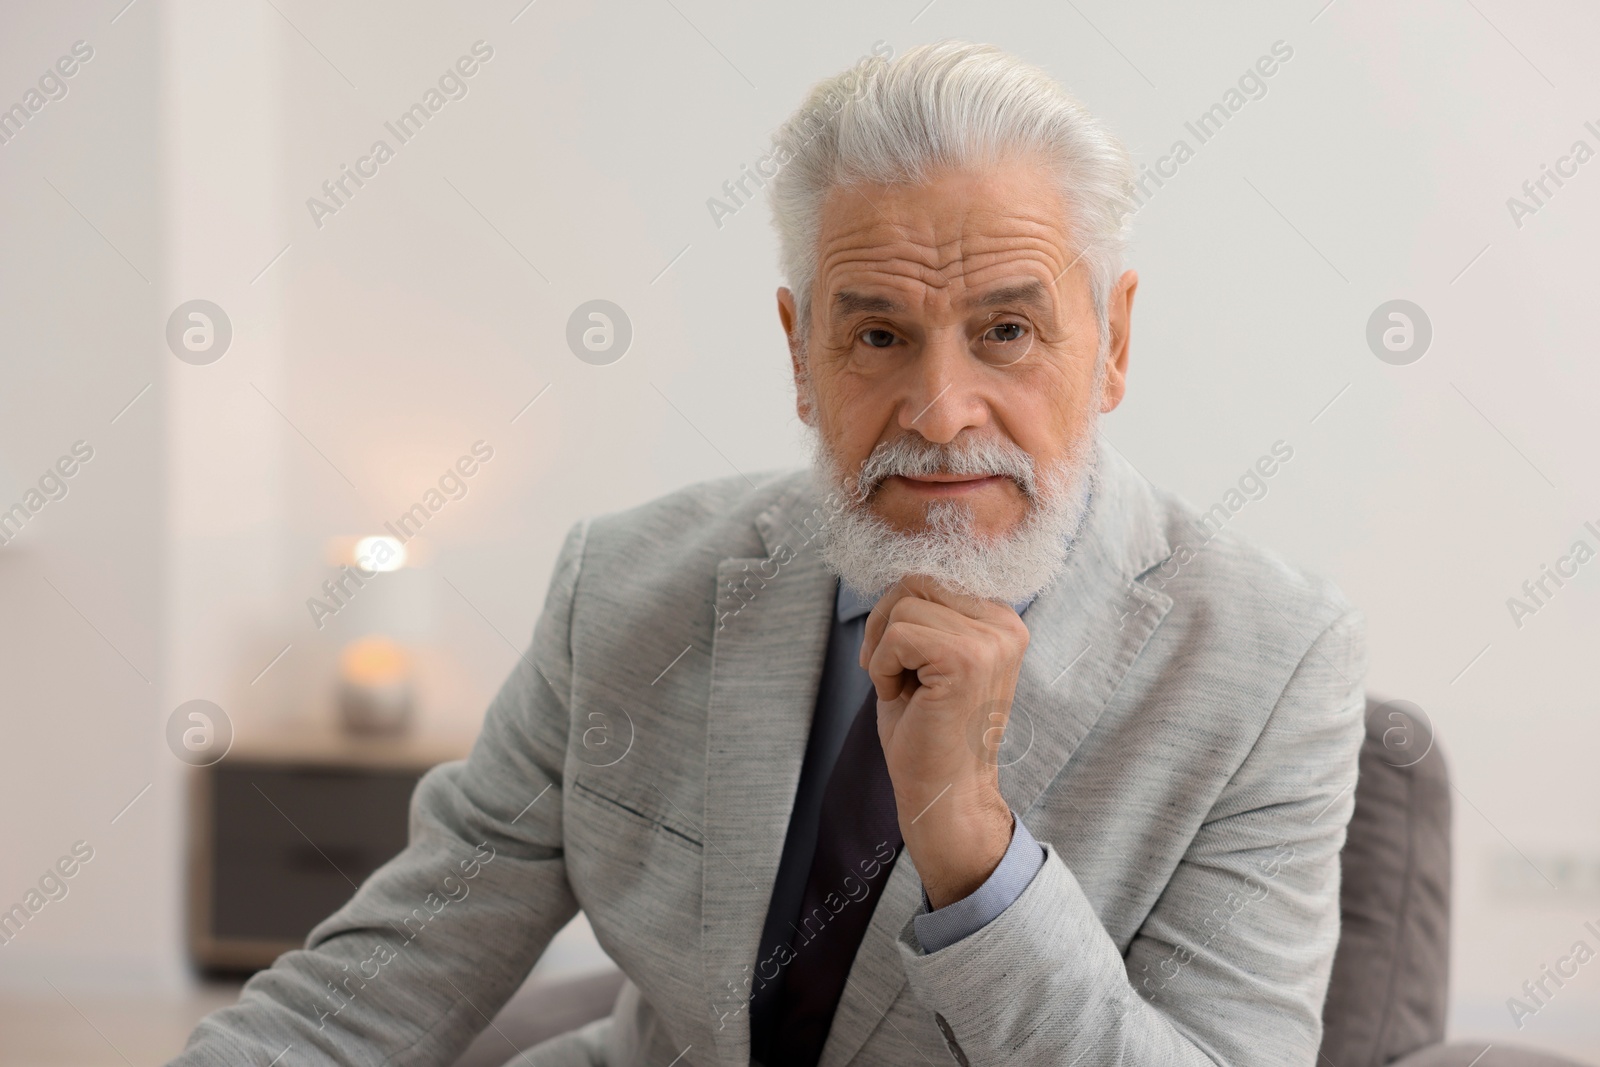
(850, 302)
(1031, 293)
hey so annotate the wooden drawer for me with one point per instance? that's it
(276, 848)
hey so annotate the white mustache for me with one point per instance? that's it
(914, 457)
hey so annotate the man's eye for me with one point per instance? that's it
(877, 338)
(1006, 343)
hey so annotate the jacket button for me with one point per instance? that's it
(950, 1040)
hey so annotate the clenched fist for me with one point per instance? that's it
(945, 669)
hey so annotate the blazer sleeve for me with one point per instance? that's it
(437, 939)
(1232, 964)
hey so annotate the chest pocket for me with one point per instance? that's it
(647, 806)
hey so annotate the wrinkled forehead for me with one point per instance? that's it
(962, 242)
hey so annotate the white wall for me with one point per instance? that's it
(426, 313)
(82, 641)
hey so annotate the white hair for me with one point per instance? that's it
(949, 104)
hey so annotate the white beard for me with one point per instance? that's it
(869, 555)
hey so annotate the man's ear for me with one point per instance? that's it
(789, 316)
(1119, 311)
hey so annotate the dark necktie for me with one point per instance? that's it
(858, 840)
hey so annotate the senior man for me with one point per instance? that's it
(966, 745)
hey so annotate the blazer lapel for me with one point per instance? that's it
(773, 617)
(1085, 632)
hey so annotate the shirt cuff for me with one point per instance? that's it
(938, 928)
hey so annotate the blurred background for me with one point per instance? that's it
(227, 366)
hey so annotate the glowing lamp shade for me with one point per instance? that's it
(380, 554)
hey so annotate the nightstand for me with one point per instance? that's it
(285, 828)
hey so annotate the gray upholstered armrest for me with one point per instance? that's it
(1386, 997)
(1473, 1055)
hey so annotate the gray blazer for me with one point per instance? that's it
(1183, 743)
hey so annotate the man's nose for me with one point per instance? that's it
(943, 396)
